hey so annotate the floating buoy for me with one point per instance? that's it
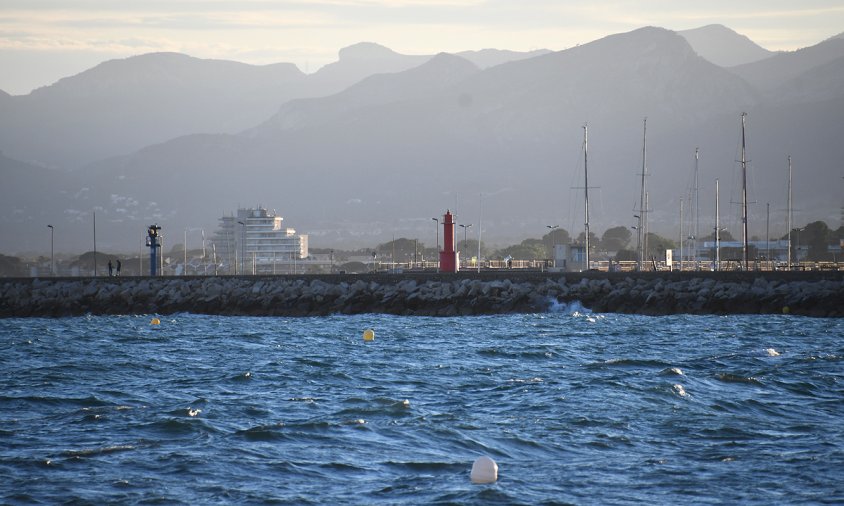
(786, 310)
(484, 470)
(772, 352)
(155, 321)
(368, 335)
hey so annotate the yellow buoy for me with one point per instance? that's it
(786, 310)
(368, 335)
(155, 321)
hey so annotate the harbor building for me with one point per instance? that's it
(255, 241)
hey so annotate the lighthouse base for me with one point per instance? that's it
(449, 261)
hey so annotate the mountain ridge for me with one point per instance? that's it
(723, 46)
(379, 157)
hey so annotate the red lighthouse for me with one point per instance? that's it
(448, 256)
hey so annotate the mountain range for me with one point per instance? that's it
(374, 145)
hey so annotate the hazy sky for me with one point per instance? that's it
(44, 40)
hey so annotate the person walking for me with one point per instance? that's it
(118, 267)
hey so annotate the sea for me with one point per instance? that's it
(574, 407)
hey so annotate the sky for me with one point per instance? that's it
(42, 41)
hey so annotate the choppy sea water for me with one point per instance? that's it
(574, 407)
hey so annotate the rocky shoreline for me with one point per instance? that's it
(427, 294)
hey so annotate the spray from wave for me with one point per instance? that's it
(573, 308)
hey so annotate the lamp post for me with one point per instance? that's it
(242, 244)
(437, 220)
(465, 241)
(480, 226)
(552, 228)
(52, 261)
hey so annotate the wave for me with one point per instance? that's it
(574, 308)
(733, 378)
(269, 432)
(528, 355)
(88, 452)
(628, 362)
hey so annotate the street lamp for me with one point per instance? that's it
(465, 242)
(242, 244)
(553, 252)
(52, 261)
(437, 220)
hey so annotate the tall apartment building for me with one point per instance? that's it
(256, 241)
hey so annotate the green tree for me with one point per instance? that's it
(554, 237)
(616, 238)
(529, 249)
(816, 236)
(725, 236)
(594, 242)
(400, 250)
(626, 255)
(657, 246)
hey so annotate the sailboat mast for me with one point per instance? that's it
(642, 208)
(717, 229)
(697, 209)
(744, 248)
(586, 189)
(645, 231)
(788, 213)
(681, 234)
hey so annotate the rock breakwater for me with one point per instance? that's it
(809, 293)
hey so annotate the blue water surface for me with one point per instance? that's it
(574, 407)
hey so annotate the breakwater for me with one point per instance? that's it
(429, 294)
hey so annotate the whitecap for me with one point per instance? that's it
(772, 352)
(574, 308)
(678, 388)
(526, 380)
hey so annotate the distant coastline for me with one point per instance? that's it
(427, 294)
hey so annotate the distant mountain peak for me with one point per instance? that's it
(485, 58)
(366, 51)
(723, 46)
(448, 59)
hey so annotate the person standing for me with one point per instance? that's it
(109, 268)
(118, 267)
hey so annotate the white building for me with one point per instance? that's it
(255, 242)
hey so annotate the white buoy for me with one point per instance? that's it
(484, 470)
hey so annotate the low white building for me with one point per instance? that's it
(255, 242)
